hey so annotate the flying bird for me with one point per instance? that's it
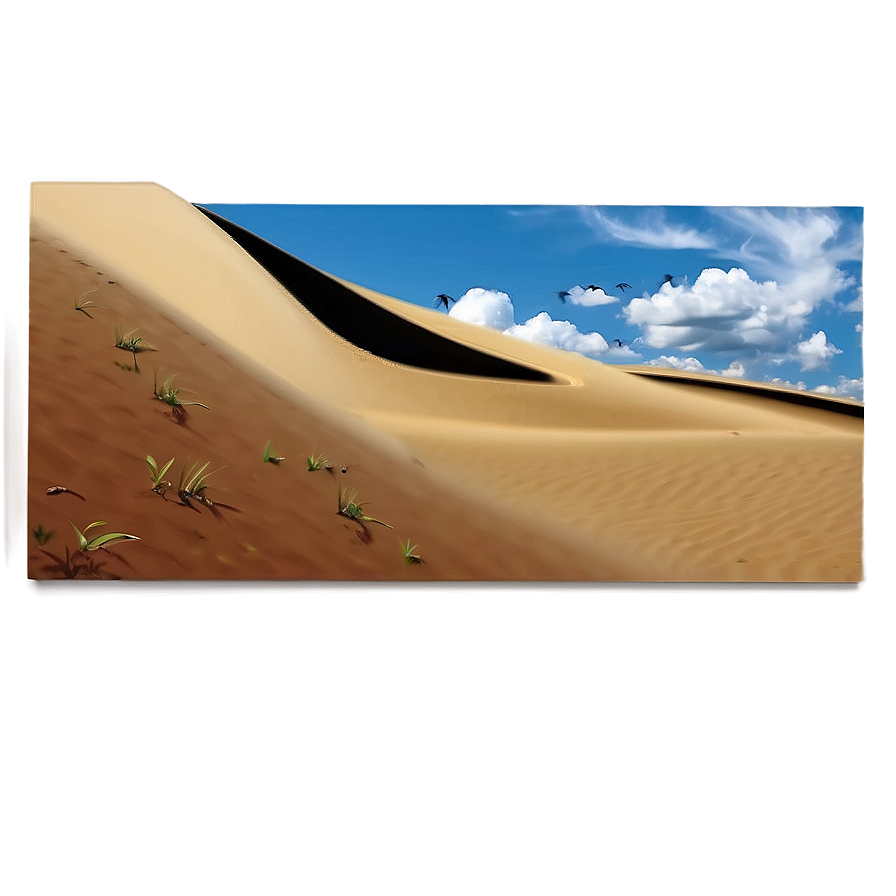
(442, 299)
(593, 288)
(563, 295)
(618, 342)
(668, 278)
(623, 286)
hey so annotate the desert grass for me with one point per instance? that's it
(133, 344)
(407, 550)
(318, 462)
(82, 303)
(99, 542)
(160, 485)
(271, 457)
(167, 394)
(353, 509)
(192, 485)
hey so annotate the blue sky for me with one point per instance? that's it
(764, 294)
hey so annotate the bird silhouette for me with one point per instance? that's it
(618, 342)
(593, 288)
(442, 299)
(563, 295)
(668, 278)
(623, 286)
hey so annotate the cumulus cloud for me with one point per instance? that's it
(735, 369)
(494, 309)
(652, 231)
(578, 295)
(845, 388)
(691, 365)
(816, 352)
(485, 307)
(559, 334)
(719, 312)
(777, 381)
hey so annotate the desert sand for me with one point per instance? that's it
(500, 459)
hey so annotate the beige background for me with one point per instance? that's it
(309, 740)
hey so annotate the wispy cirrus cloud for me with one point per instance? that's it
(652, 230)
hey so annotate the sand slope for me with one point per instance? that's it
(594, 473)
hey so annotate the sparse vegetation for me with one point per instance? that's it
(82, 303)
(41, 535)
(160, 484)
(354, 510)
(192, 485)
(165, 392)
(100, 542)
(318, 462)
(407, 549)
(271, 457)
(131, 343)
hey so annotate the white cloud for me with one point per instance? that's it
(485, 307)
(720, 312)
(578, 295)
(859, 328)
(845, 388)
(858, 303)
(652, 232)
(735, 370)
(801, 248)
(816, 352)
(494, 309)
(559, 334)
(691, 365)
(795, 237)
(777, 381)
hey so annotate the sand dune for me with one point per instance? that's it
(502, 459)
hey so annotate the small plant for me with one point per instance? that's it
(101, 541)
(192, 485)
(131, 343)
(318, 462)
(408, 551)
(82, 303)
(166, 393)
(354, 510)
(160, 484)
(41, 535)
(271, 457)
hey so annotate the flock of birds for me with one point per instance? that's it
(442, 299)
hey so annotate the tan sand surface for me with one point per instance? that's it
(598, 474)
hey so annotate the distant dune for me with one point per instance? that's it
(500, 459)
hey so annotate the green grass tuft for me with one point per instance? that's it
(354, 510)
(131, 343)
(407, 550)
(271, 457)
(160, 484)
(166, 393)
(318, 462)
(100, 542)
(192, 484)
